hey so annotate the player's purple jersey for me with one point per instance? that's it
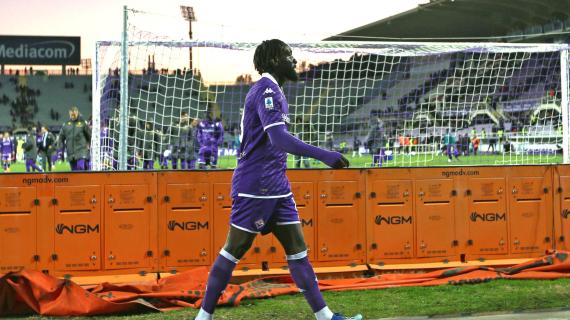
(8, 147)
(261, 167)
(209, 133)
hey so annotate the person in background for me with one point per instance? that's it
(8, 147)
(75, 137)
(356, 147)
(209, 134)
(329, 140)
(219, 136)
(450, 146)
(178, 141)
(475, 142)
(148, 145)
(191, 143)
(31, 151)
(465, 142)
(164, 148)
(376, 141)
(46, 148)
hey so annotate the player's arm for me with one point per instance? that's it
(272, 114)
(282, 139)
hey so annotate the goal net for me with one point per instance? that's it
(381, 104)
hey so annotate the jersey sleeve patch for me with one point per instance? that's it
(269, 102)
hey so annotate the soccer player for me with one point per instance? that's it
(8, 151)
(210, 134)
(219, 135)
(261, 193)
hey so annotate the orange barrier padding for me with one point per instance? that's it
(35, 292)
(18, 219)
(341, 222)
(561, 210)
(185, 222)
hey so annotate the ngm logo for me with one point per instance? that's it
(76, 228)
(565, 213)
(306, 223)
(187, 225)
(490, 217)
(393, 220)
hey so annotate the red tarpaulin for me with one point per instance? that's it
(28, 291)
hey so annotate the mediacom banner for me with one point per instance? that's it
(37, 50)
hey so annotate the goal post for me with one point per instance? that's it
(401, 101)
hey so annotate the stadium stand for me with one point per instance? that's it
(38, 98)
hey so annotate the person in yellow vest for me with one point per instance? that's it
(342, 147)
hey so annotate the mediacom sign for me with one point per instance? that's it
(36, 50)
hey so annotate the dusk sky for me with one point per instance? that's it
(224, 20)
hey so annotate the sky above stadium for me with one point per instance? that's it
(223, 20)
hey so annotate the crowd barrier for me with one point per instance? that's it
(114, 223)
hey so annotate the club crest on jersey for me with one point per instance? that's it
(285, 118)
(268, 91)
(269, 103)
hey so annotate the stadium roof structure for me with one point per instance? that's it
(470, 20)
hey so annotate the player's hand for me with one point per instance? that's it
(336, 160)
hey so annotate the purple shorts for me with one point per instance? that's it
(6, 157)
(260, 215)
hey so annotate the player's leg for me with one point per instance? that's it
(214, 159)
(49, 162)
(73, 165)
(289, 232)
(81, 165)
(202, 157)
(6, 163)
(192, 164)
(249, 216)
(237, 244)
